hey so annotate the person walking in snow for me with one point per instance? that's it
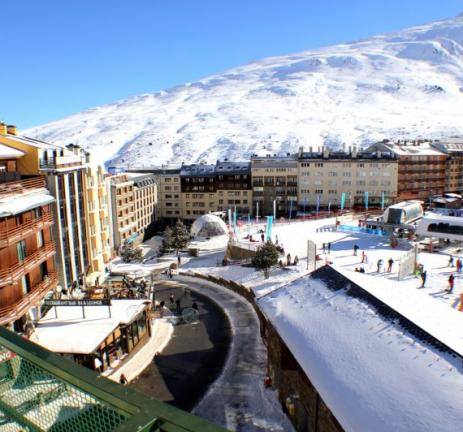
(451, 283)
(356, 248)
(459, 265)
(423, 276)
(364, 255)
(288, 258)
(450, 261)
(329, 247)
(262, 237)
(323, 247)
(276, 240)
(179, 260)
(379, 264)
(389, 267)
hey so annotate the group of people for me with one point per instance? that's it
(379, 265)
(326, 247)
(458, 264)
(288, 261)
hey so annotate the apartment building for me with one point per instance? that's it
(234, 187)
(324, 175)
(422, 168)
(27, 249)
(62, 169)
(98, 226)
(274, 179)
(453, 148)
(133, 201)
(198, 190)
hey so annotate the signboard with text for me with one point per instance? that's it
(83, 302)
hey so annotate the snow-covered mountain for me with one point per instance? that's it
(407, 84)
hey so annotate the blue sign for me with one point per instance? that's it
(268, 231)
(343, 200)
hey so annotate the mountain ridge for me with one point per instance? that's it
(404, 84)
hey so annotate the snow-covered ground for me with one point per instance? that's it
(406, 84)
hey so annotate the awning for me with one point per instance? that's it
(13, 206)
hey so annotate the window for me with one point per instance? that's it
(21, 249)
(40, 238)
(319, 191)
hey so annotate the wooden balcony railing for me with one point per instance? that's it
(13, 235)
(17, 309)
(21, 186)
(12, 273)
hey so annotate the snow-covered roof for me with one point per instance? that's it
(228, 167)
(197, 170)
(71, 333)
(31, 141)
(371, 373)
(7, 152)
(11, 206)
(409, 149)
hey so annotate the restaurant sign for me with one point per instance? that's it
(82, 302)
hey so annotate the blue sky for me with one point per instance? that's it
(61, 57)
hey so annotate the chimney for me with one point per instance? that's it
(378, 154)
(11, 129)
(301, 150)
(326, 152)
(3, 129)
(311, 149)
(354, 152)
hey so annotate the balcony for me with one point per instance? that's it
(14, 272)
(16, 310)
(21, 186)
(61, 162)
(13, 235)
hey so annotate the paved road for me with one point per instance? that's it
(195, 355)
(238, 400)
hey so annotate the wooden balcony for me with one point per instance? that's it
(17, 309)
(21, 186)
(14, 272)
(13, 235)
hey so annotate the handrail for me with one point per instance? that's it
(7, 234)
(15, 310)
(136, 412)
(11, 273)
(21, 186)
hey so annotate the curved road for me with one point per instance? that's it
(195, 357)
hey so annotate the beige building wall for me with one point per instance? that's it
(146, 200)
(329, 178)
(170, 203)
(242, 199)
(195, 204)
(96, 209)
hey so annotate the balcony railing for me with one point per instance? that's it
(17, 309)
(13, 235)
(57, 162)
(12, 273)
(21, 186)
(42, 391)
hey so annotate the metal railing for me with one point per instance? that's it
(21, 186)
(41, 391)
(13, 235)
(13, 272)
(17, 309)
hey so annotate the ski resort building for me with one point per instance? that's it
(27, 249)
(62, 168)
(422, 168)
(274, 185)
(133, 203)
(324, 175)
(453, 148)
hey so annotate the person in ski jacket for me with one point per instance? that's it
(389, 267)
(451, 282)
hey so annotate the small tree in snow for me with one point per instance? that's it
(265, 258)
(130, 254)
(176, 238)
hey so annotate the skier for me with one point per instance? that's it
(450, 261)
(451, 283)
(356, 248)
(323, 247)
(459, 265)
(389, 267)
(423, 276)
(329, 247)
(379, 265)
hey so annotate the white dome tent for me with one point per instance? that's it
(207, 226)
